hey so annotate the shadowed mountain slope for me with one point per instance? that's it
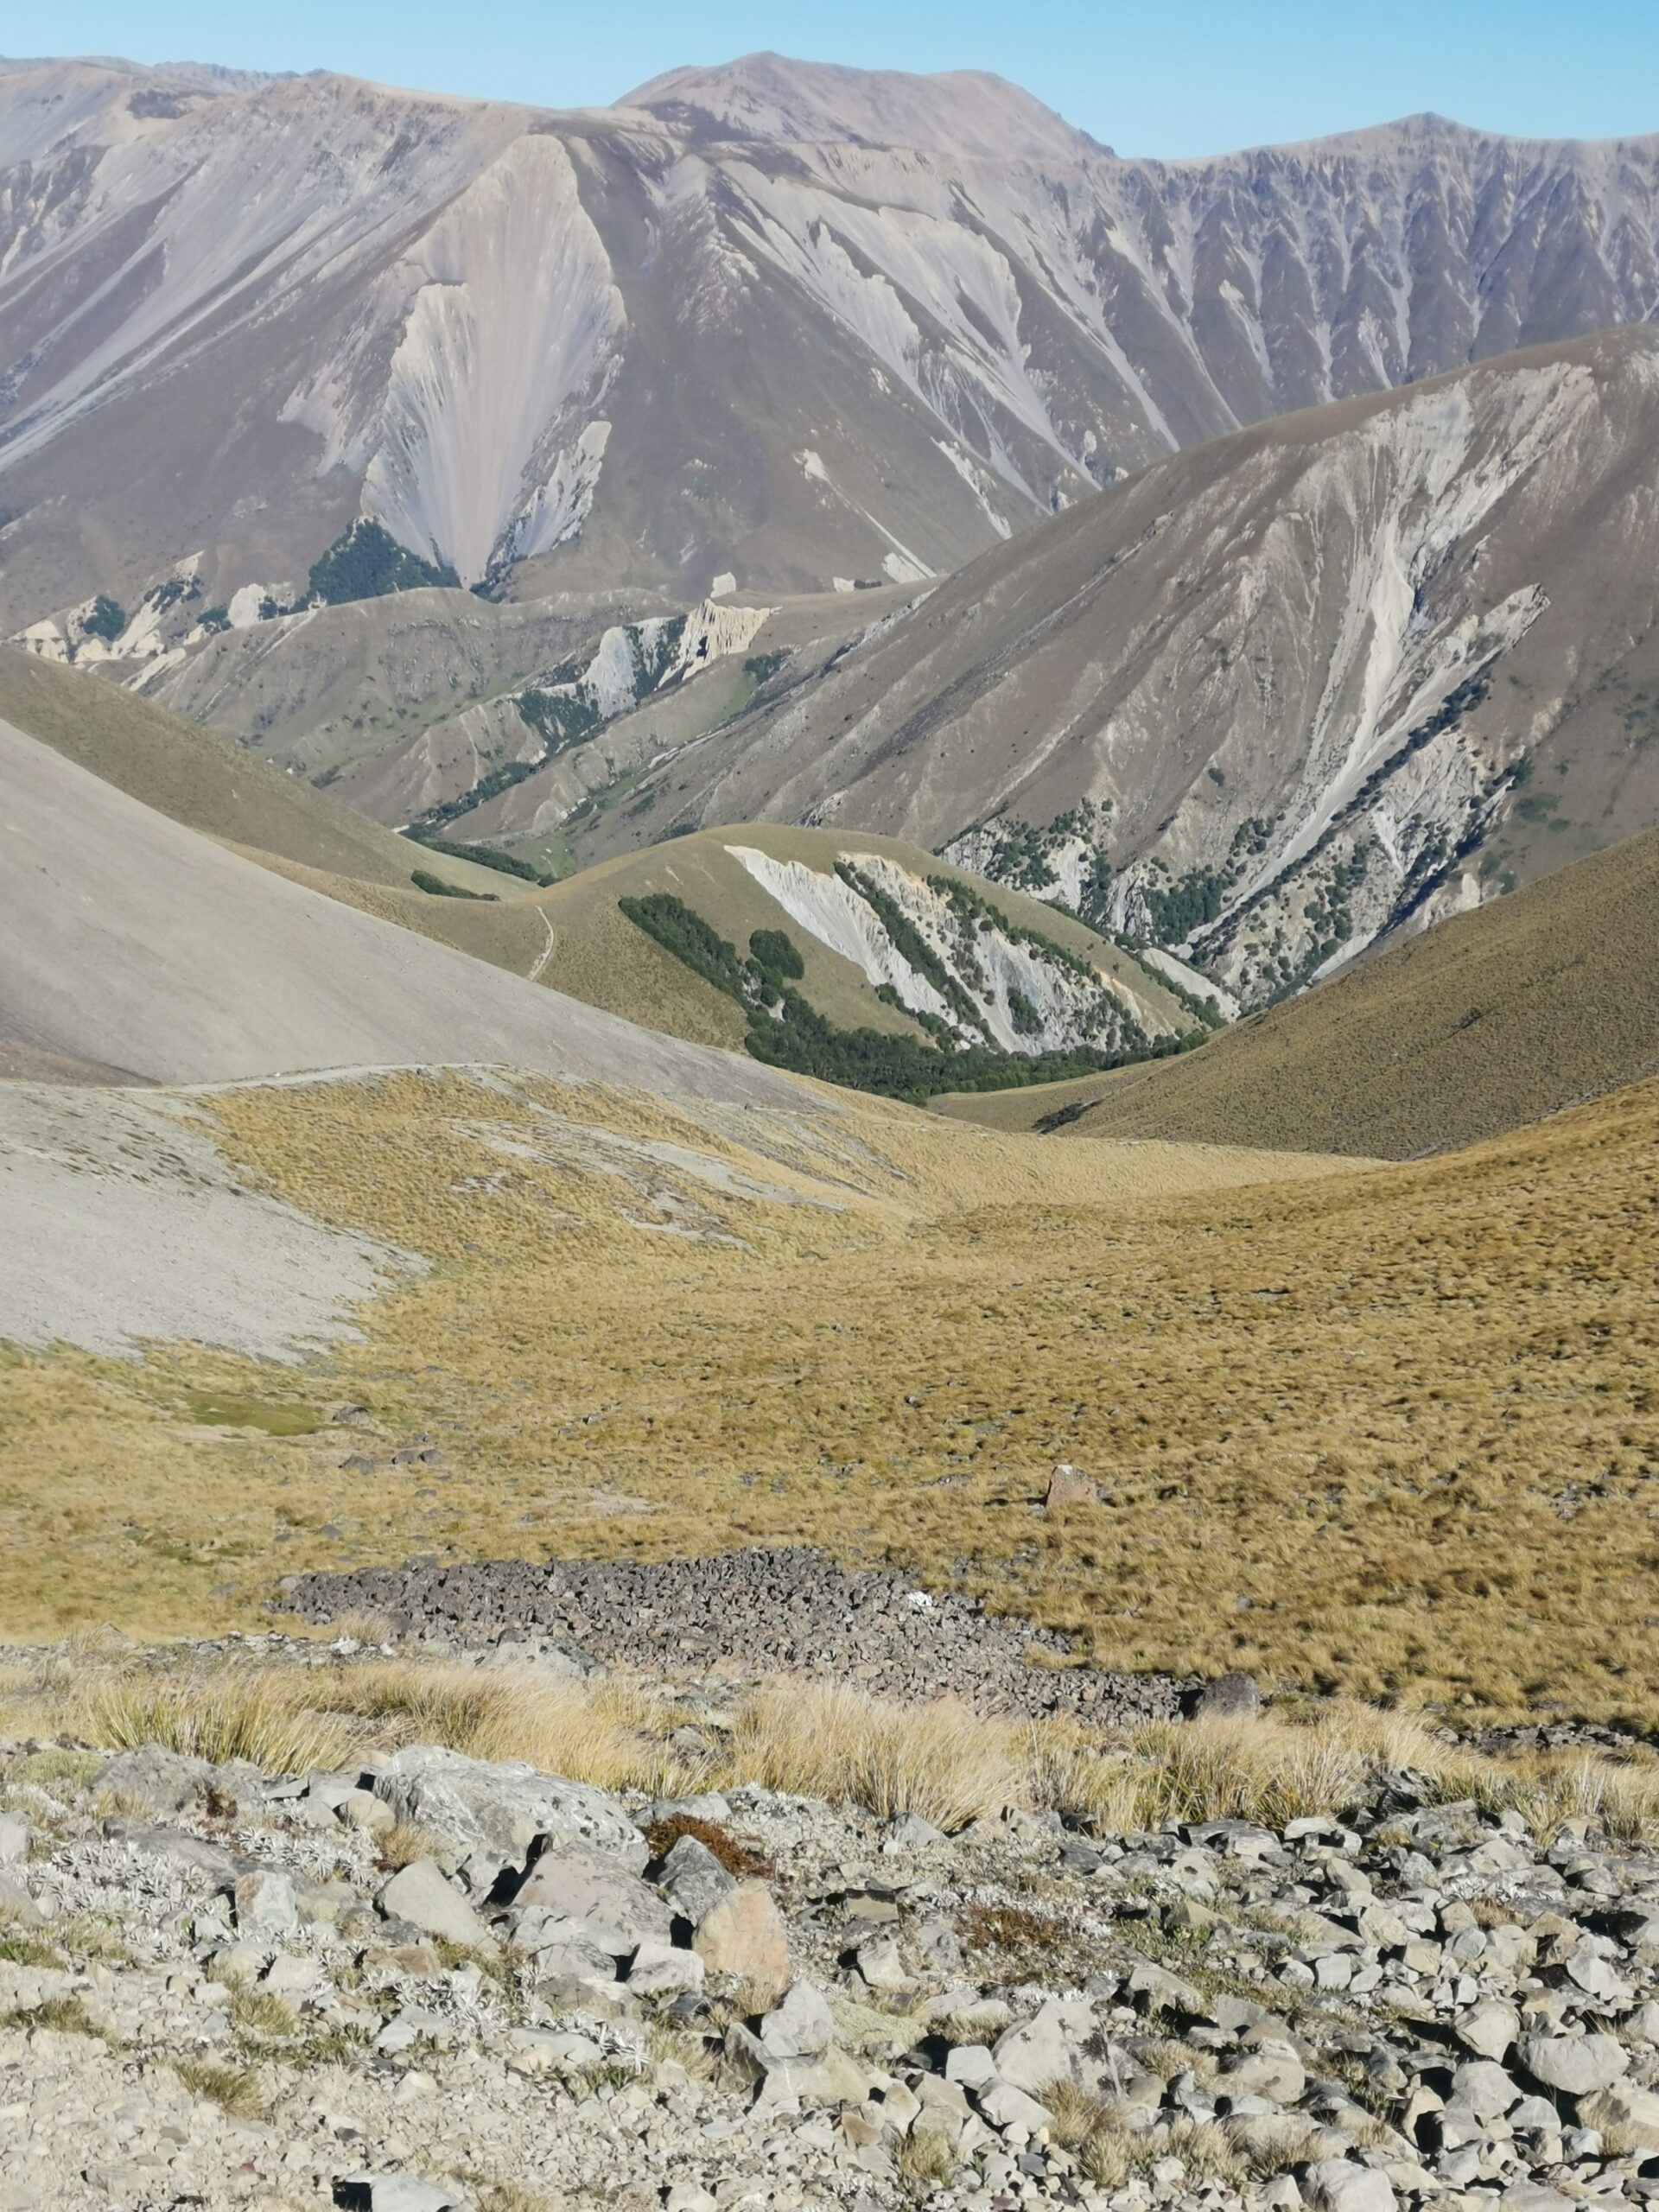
(1307, 687)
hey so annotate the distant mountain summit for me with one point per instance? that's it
(799, 326)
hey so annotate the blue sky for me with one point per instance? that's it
(1169, 77)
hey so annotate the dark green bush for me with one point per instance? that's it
(367, 562)
(107, 619)
(483, 855)
(774, 954)
(435, 887)
(690, 938)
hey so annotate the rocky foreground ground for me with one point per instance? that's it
(431, 1981)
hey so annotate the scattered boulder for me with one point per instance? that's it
(1338, 2185)
(1069, 1485)
(661, 1970)
(1047, 2048)
(265, 1903)
(1488, 2029)
(420, 1895)
(879, 1964)
(164, 1784)
(1485, 2088)
(494, 1812)
(1229, 1697)
(17, 1903)
(1271, 2070)
(693, 1879)
(586, 1885)
(1577, 2065)
(743, 1936)
(802, 2026)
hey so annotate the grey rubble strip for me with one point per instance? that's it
(789, 1609)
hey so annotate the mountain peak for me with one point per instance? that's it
(771, 97)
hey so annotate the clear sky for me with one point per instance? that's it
(1157, 77)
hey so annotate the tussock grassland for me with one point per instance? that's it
(825, 1740)
(1392, 1432)
(1490, 1020)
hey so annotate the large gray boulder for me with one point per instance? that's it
(1047, 2048)
(1577, 2065)
(164, 1784)
(420, 1895)
(802, 2026)
(587, 1885)
(1337, 2185)
(490, 1813)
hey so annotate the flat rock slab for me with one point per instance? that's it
(497, 1809)
(587, 1885)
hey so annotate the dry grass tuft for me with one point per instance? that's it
(1077, 2112)
(263, 1718)
(234, 2089)
(1107, 2158)
(604, 1732)
(258, 2012)
(1203, 2149)
(402, 1844)
(1276, 1769)
(63, 2016)
(670, 2046)
(1268, 2152)
(827, 1740)
(925, 2159)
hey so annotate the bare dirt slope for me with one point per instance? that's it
(133, 941)
(1488, 1022)
(207, 782)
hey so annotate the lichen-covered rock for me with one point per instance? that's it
(586, 1885)
(493, 1812)
(420, 1895)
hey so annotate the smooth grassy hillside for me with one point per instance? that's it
(210, 783)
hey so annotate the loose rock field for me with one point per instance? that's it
(429, 1980)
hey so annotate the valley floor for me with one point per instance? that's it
(1390, 1431)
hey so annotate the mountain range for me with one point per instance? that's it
(796, 325)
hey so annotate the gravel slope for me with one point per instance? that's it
(134, 943)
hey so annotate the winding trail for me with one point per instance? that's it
(547, 951)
